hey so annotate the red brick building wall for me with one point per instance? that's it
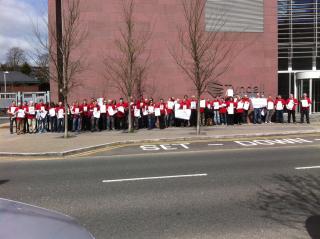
(253, 70)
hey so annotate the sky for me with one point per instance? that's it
(17, 18)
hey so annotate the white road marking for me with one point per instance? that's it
(215, 144)
(317, 139)
(154, 178)
(311, 167)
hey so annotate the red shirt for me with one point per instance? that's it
(280, 101)
(17, 109)
(309, 103)
(185, 104)
(162, 107)
(31, 116)
(223, 108)
(236, 104)
(119, 113)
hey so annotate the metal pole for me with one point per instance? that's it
(5, 82)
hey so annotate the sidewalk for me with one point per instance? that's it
(52, 144)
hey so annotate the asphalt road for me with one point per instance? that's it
(239, 192)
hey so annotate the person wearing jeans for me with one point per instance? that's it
(291, 105)
(270, 109)
(279, 105)
(12, 116)
(305, 108)
(31, 117)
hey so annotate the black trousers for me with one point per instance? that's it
(13, 121)
(305, 112)
(230, 119)
(291, 113)
(162, 124)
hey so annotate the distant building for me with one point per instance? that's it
(18, 82)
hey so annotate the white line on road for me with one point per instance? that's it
(215, 144)
(311, 167)
(317, 139)
(154, 178)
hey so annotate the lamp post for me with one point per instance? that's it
(5, 80)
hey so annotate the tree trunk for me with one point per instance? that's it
(65, 102)
(130, 128)
(198, 115)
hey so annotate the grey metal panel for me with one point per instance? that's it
(235, 15)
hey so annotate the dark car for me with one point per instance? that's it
(23, 221)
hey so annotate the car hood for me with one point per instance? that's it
(23, 221)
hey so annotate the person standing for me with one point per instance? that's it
(85, 116)
(216, 114)
(12, 110)
(291, 105)
(111, 111)
(103, 115)
(60, 117)
(239, 110)
(95, 115)
(193, 107)
(31, 117)
(246, 107)
(121, 117)
(76, 112)
(305, 108)
(169, 113)
(151, 115)
(20, 119)
(257, 111)
(270, 109)
(223, 111)
(53, 117)
(279, 104)
(162, 107)
(41, 116)
(25, 121)
(230, 111)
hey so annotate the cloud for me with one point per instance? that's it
(16, 24)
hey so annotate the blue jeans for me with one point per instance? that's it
(279, 116)
(60, 125)
(151, 121)
(223, 118)
(41, 125)
(216, 117)
(76, 124)
(257, 115)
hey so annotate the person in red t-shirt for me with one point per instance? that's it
(111, 111)
(12, 110)
(223, 111)
(20, 118)
(169, 112)
(94, 110)
(279, 105)
(162, 107)
(136, 109)
(76, 112)
(239, 110)
(31, 117)
(230, 111)
(193, 107)
(291, 105)
(86, 121)
(305, 108)
(121, 114)
(41, 116)
(60, 117)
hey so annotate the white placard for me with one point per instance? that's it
(43, 114)
(279, 105)
(240, 105)
(304, 103)
(193, 105)
(21, 113)
(52, 112)
(96, 114)
(103, 109)
(150, 109)
(270, 105)
(42, 108)
(145, 112)
(76, 110)
(202, 104)
(111, 112)
(230, 92)
(161, 107)
(184, 107)
(246, 105)
(157, 112)
(216, 105)
(177, 106)
(258, 103)
(121, 109)
(85, 108)
(137, 113)
(290, 105)
(100, 101)
(230, 109)
(209, 106)
(170, 105)
(12, 110)
(32, 110)
(60, 114)
(183, 114)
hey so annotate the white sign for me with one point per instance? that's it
(157, 112)
(279, 105)
(193, 105)
(85, 108)
(111, 112)
(202, 104)
(103, 109)
(150, 109)
(121, 109)
(270, 105)
(240, 105)
(304, 103)
(246, 105)
(21, 113)
(216, 105)
(52, 112)
(290, 105)
(137, 113)
(60, 113)
(230, 93)
(183, 114)
(96, 114)
(31, 110)
(230, 109)
(170, 105)
(258, 103)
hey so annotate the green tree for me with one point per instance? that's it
(25, 68)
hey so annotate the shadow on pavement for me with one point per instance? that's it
(294, 201)
(4, 181)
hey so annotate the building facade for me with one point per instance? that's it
(299, 47)
(253, 70)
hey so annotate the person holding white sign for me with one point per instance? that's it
(305, 108)
(103, 115)
(76, 112)
(223, 111)
(41, 116)
(279, 105)
(31, 117)
(193, 107)
(239, 110)
(121, 107)
(270, 109)
(151, 115)
(53, 117)
(230, 111)
(20, 116)
(216, 108)
(12, 110)
(60, 117)
(86, 118)
(111, 111)
(291, 105)
(169, 113)
(95, 111)
(246, 107)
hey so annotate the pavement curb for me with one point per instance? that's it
(142, 141)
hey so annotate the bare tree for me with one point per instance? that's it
(61, 50)
(202, 55)
(15, 58)
(127, 68)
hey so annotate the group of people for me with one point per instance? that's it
(102, 114)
